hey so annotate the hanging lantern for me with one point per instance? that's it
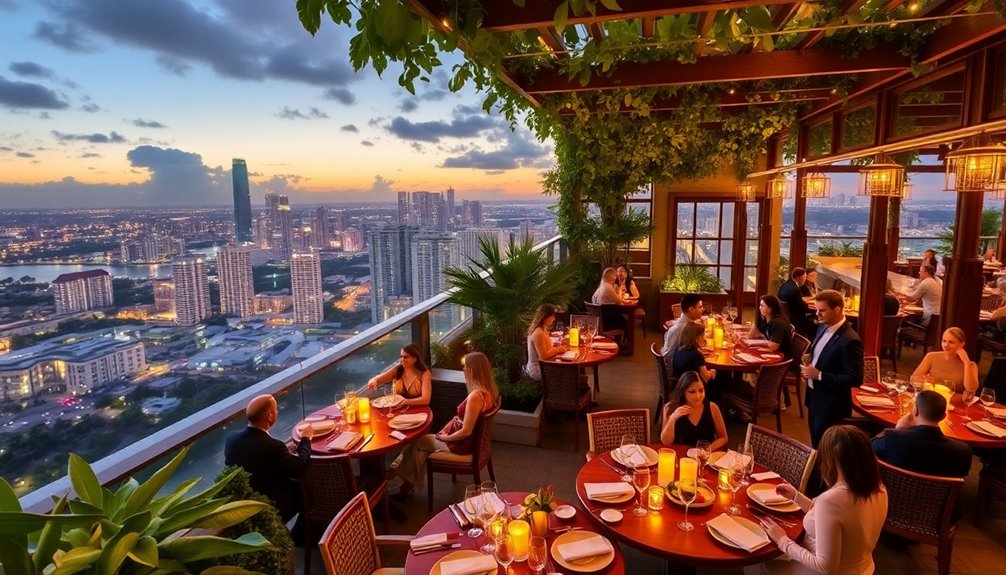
(906, 190)
(778, 188)
(976, 165)
(746, 191)
(882, 178)
(998, 190)
(816, 185)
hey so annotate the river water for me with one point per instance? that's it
(49, 272)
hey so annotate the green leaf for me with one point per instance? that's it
(48, 541)
(228, 570)
(767, 43)
(115, 552)
(8, 499)
(392, 20)
(189, 549)
(124, 491)
(77, 537)
(145, 552)
(758, 17)
(25, 523)
(141, 497)
(75, 560)
(611, 5)
(14, 557)
(561, 13)
(519, 3)
(85, 483)
(229, 514)
(309, 12)
(185, 518)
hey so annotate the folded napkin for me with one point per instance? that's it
(587, 547)
(469, 565)
(768, 496)
(876, 401)
(409, 418)
(756, 341)
(429, 540)
(764, 476)
(632, 455)
(738, 534)
(344, 440)
(605, 345)
(397, 435)
(568, 355)
(747, 357)
(997, 412)
(990, 428)
(869, 388)
(494, 499)
(728, 459)
(607, 491)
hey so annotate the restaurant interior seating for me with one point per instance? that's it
(921, 508)
(996, 377)
(327, 485)
(793, 377)
(665, 380)
(889, 339)
(473, 463)
(562, 390)
(914, 264)
(987, 342)
(791, 459)
(992, 302)
(349, 544)
(762, 397)
(604, 312)
(605, 428)
(785, 311)
(675, 310)
(918, 336)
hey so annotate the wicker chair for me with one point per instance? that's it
(889, 339)
(920, 508)
(605, 428)
(665, 380)
(349, 545)
(600, 311)
(793, 377)
(481, 456)
(915, 336)
(327, 485)
(991, 488)
(763, 397)
(992, 302)
(675, 310)
(562, 390)
(871, 369)
(792, 460)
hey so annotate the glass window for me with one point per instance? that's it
(819, 139)
(934, 105)
(705, 236)
(859, 127)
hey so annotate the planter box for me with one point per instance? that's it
(518, 427)
(667, 299)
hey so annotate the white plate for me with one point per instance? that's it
(615, 498)
(464, 554)
(787, 507)
(323, 427)
(974, 427)
(708, 496)
(649, 454)
(611, 515)
(387, 401)
(565, 511)
(746, 523)
(605, 345)
(587, 564)
(395, 424)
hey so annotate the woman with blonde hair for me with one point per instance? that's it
(483, 397)
(539, 342)
(952, 364)
(606, 291)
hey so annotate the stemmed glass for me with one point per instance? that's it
(687, 491)
(641, 481)
(731, 482)
(746, 452)
(731, 313)
(626, 446)
(702, 454)
(970, 398)
(889, 381)
(988, 397)
(489, 512)
(537, 554)
(473, 508)
(504, 551)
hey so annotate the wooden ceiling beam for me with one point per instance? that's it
(726, 101)
(715, 69)
(705, 24)
(812, 38)
(596, 31)
(553, 41)
(647, 23)
(783, 13)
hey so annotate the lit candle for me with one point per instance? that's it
(497, 528)
(855, 302)
(689, 470)
(521, 533)
(363, 409)
(656, 497)
(539, 523)
(945, 391)
(718, 337)
(350, 413)
(724, 479)
(710, 322)
(665, 466)
(574, 337)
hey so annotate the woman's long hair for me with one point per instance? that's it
(479, 375)
(690, 335)
(686, 380)
(413, 351)
(846, 449)
(545, 311)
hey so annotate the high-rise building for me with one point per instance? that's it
(305, 284)
(263, 231)
(319, 228)
(352, 240)
(164, 296)
(338, 221)
(431, 252)
(471, 212)
(451, 209)
(525, 231)
(426, 210)
(282, 244)
(81, 291)
(404, 215)
(242, 202)
(390, 267)
(271, 205)
(192, 290)
(234, 270)
(468, 243)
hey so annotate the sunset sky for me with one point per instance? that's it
(143, 103)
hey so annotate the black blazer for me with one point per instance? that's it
(791, 293)
(270, 464)
(924, 449)
(841, 367)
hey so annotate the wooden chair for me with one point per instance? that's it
(563, 390)
(991, 488)
(675, 310)
(926, 337)
(792, 460)
(871, 369)
(605, 428)
(599, 311)
(473, 463)
(327, 485)
(913, 266)
(889, 338)
(793, 377)
(986, 342)
(349, 545)
(665, 380)
(992, 302)
(785, 311)
(920, 508)
(763, 397)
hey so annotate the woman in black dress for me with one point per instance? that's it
(689, 418)
(688, 356)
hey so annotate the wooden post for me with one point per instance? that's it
(962, 286)
(798, 239)
(873, 282)
(893, 231)
(765, 235)
(1001, 244)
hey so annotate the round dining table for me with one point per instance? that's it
(740, 357)
(657, 533)
(953, 425)
(591, 356)
(444, 522)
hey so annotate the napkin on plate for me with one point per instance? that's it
(874, 401)
(756, 341)
(344, 440)
(764, 476)
(738, 534)
(632, 455)
(409, 419)
(870, 388)
(568, 355)
(997, 412)
(728, 459)
(469, 565)
(607, 491)
(768, 496)
(990, 428)
(497, 503)
(433, 540)
(747, 357)
(587, 547)
(605, 345)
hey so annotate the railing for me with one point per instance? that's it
(908, 245)
(301, 389)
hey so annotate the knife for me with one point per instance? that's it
(611, 467)
(424, 550)
(365, 442)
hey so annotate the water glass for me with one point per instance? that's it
(537, 554)
(641, 481)
(504, 551)
(746, 450)
(988, 398)
(688, 490)
(473, 508)
(969, 398)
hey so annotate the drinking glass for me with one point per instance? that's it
(504, 551)
(687, 491)
(889, 380)
(641, 481)
(592, 327)
(806, 358)
(537, 554)
(625, 448)
(488, 511)
(969, 398)
(988, 397)
(473, 508)
(746, 450)
(731, 482)
(559, 327)
(702, 454)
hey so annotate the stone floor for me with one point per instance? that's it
(630, 382)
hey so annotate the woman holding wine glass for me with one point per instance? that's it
(411, 378)
(951, 364)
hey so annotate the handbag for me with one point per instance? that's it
(461, 446)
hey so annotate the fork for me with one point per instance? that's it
(758, 512)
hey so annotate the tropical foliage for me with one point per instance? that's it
(692, 278)
(992, 221)
(845, 249)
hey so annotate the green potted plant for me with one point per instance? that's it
(690, 278)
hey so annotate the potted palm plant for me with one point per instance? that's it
(690, 278)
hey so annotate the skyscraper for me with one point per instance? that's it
(451, 209)
(352, 240)
(471, 212)
(319, 228)
(305, 283)
(192, 290)
(468, 243)
(164, 296)
(234, 270)
(426, 210)
(81, 291)
(431, 253)
(282, 244)
(390, 267)
(242, 202)
(404, 215)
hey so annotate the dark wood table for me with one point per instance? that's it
(657, 532)
(378, 425)
(588, 357)
(726, 360)
(443, 522)
(953, 426)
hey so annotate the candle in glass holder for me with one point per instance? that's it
(574, 337)
(539, 523)
(665, 466)
(688, 470)
(521, 533)
(724, 479)
(497, 528)
(717, 337)
(363, 409)
(855, 302)
(655, 497)
(710, 322)
(350, 412)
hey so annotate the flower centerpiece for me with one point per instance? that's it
(541, 500)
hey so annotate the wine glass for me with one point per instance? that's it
(969, 398)
(592, 327)
(688, 490)
(889, 380)
(625, 448)
(559, 327)
(473, 508)
(488, 512)
(504, 551)
(702, 453)
(747, 461)
(988, 397)
(732, 313)
(641, 481)
(731, 482)
(537, 554)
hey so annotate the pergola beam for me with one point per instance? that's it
(554, 42)
(812, 38)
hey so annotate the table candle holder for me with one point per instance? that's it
(655, 498)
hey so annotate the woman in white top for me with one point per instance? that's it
(539, 342)
(952, 364)
(606, 291)
(842, 524)
(410, 378)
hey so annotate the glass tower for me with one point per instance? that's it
(242, 202)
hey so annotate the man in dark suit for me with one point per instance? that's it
(273, 469)
(917, 444)
(836, 366)
(790, 293)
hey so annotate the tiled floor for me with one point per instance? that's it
(630, 382)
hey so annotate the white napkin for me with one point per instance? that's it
(756, 341)
(768, 496)
(605, 345)
(727, 461)
(997, 412)
(397, 435)
(747, 358)
(568, 355)
(870, 388)
(633, 455)
(497, 503)
(726, 526)
(584, 548)
(428, 540)
(764, 476)
(469, 565)
(875, 401)
(344, 440)
(990, 428)
(607, 491)
(409, 419)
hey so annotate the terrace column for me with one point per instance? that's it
(766, 233)
(963, 280)
(798, 240)
(893, 231)
(1001, 244)
(874, 280)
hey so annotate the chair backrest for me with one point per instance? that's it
(913, 266)
(785, 310)
(665, 378)
(675, 310)
(933, 331)
(580, 321)
(792, 460)
(798, 347)
(327, 485)
(992, 302)
(595, 310)
(919, 506)
(871, 369)
(889, 335)
(766, 393)
(606, 428)
(996, 377)
(482, 437)
(560, 385)
(349, 545)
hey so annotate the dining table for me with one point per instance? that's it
(601, 350)
(657, 533)
(444, 522)
(741, 356)
(954, 425)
